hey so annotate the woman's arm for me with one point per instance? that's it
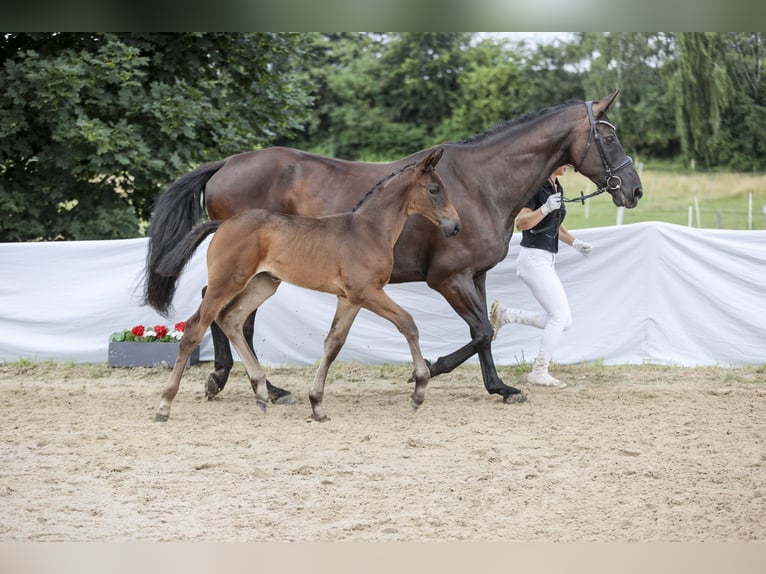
(565, 235)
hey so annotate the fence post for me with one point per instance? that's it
(697, 209)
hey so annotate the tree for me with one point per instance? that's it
(419, 72)
(93, 125)
(702, 89)
(641, 65)
(740, 144)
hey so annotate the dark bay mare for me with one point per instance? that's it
(350, 255)
(489, 178)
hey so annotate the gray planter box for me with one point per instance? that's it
(132, 354)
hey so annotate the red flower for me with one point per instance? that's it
(180, 326)
(160, 331)
(138, 330)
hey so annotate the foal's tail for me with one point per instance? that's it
(175, 213)
(170, 266)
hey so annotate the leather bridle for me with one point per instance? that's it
(613, 181)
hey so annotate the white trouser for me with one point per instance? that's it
(535, 267)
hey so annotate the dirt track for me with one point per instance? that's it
(640, 453)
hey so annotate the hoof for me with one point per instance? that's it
(211, 388)
(284, 399)
(515, 398)
(261, 405)
(161, 418)
(320, 419)
(279, 396)
(414, 404)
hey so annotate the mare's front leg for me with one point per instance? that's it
(467, 296)
(223, 362)
(345, 313)
(380, 303)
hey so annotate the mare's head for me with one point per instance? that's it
(597, 153)
(428, 197)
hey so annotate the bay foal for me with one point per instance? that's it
(350, 255)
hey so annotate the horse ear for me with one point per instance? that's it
(429, 164)
(601, 106)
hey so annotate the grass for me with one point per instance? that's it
(668, 196)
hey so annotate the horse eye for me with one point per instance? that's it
(433, 189)
(610, 139)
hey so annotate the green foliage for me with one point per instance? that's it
(704, 89)
(93, 125)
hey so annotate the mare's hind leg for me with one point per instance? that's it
(224, 361)
(345, 313)
(231, 319)
(380, 303)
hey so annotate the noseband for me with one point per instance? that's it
(613, 181)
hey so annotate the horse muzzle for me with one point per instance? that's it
(450, 226)
(630, 200)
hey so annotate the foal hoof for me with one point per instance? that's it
(261, 405)
(515, 398)
(158, 418)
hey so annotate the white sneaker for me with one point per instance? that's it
(540, 376)
(496, 317)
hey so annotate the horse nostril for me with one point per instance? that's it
(638, 193)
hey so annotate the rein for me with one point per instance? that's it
(613, 181)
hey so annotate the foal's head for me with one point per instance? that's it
(428, 196)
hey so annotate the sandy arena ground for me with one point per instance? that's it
(629, 453)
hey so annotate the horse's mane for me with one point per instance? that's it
(381, 184)
(518, 120)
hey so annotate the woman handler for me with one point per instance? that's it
(542, 227)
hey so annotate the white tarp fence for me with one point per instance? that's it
(649, 293)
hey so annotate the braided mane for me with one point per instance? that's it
(381, 184)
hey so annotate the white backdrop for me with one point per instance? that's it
(649, 293)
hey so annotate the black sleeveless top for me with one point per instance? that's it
(545, 235)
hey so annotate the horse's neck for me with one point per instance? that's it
(515, 162)
(384, 212)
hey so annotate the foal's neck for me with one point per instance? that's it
(385, 211)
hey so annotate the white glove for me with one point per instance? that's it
(553, 203)
(582, 247)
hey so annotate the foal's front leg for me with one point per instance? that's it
(381, 304)
(345, 313)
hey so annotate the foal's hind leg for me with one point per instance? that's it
(231, 318)
(195, 329)
(345, 313)
(380, 303)
(224, 361)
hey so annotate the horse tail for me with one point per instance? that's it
(175, 213)
(172, 263)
